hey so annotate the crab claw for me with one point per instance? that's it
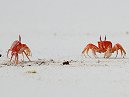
(108, 53)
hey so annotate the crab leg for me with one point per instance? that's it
(94, 53)
(27, 56)
(23, 56)
(121, 53)
(86, 50)
(119, 47)
(93, 48)
(116, 53)
(16, 58)
(8, 52)
(11, 57)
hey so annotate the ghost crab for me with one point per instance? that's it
(104, 47)
(18, 48)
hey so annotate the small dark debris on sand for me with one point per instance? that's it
(31, 71)
(72, 61)
(51, 60)
(66, 63)
(43, 62)
(28, 65)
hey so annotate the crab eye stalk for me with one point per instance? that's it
(100, 38)
(105, 37)
(19, 38)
